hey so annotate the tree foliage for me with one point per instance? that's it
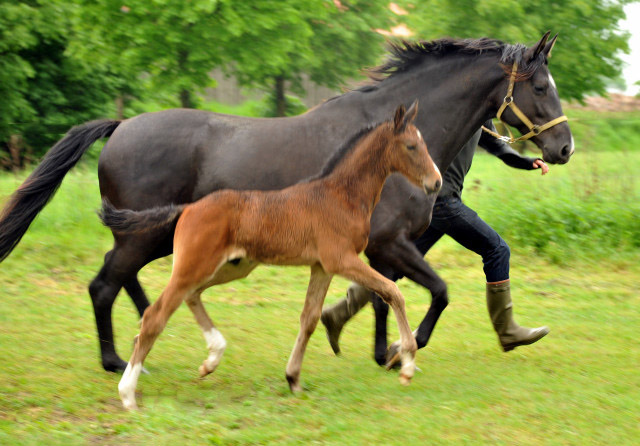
(65, 61)
(43, 90)
(589, 43)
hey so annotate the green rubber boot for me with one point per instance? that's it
(335, 316)
(510, 334)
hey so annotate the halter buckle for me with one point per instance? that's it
(508, 100)
(535, 130)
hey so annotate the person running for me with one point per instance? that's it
(452, 217)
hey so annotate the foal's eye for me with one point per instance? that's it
(411, 147)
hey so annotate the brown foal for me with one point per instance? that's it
(323, 222)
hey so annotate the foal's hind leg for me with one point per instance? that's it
(316, 292)
(153, 322)
(215, 341)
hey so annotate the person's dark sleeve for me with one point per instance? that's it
(503, 150)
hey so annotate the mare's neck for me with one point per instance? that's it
(457, 95)
(359, 177)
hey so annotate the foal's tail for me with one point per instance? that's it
(128, 221)
(39, 187)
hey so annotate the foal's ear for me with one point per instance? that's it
(398, 120)
(411, 113)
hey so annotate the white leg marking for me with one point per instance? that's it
(408, 368)
(216, 345)
(127, 385)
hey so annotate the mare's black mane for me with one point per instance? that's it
(405, 55)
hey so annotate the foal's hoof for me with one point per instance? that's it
(404, 379)
(204, 369)
(294, 384)
(393, 360)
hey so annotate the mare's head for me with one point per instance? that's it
(537, 113)
(409, 155)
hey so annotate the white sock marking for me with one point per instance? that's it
(127, 385)
(216, 345)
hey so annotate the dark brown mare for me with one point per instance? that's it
(323, 223)
(179, 156)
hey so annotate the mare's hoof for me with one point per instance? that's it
(115, 365)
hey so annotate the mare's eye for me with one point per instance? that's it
(411, 147)
(539, 90)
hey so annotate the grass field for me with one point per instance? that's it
(578, 386)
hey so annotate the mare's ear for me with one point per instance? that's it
(398, 120)
(411, 113)
(533, 52)
(549, 46)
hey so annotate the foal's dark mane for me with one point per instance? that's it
(405, 55)
(341, 152)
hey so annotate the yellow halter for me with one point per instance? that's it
(508, 102)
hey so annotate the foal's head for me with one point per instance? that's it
(409, 155)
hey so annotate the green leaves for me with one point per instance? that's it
(589, 42)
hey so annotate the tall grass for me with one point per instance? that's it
(587, 207)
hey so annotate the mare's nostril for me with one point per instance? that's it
(565, 150)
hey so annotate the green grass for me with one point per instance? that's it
(577, 386)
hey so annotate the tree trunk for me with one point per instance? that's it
(16, 144)
(281, 100)
(185, 95)
(120, 107)
(185, 99)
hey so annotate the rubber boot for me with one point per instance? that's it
(500, 307)
(335, 316)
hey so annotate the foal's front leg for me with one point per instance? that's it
(355, 269)
(316, 292)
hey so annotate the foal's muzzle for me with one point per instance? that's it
(432, 182)
(432, 187)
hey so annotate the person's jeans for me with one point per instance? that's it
(452, 217)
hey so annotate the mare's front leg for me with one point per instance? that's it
(215, 341)
(318, 285)
(407, 260)
(351, 267)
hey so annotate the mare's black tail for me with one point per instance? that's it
(128, 221)
(39, 187)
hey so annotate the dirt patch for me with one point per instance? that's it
(613, 103)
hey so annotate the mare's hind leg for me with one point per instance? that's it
(120, 268)
(215, 341)
(137, 294)
(316, 292)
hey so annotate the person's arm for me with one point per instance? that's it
(506, 153)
